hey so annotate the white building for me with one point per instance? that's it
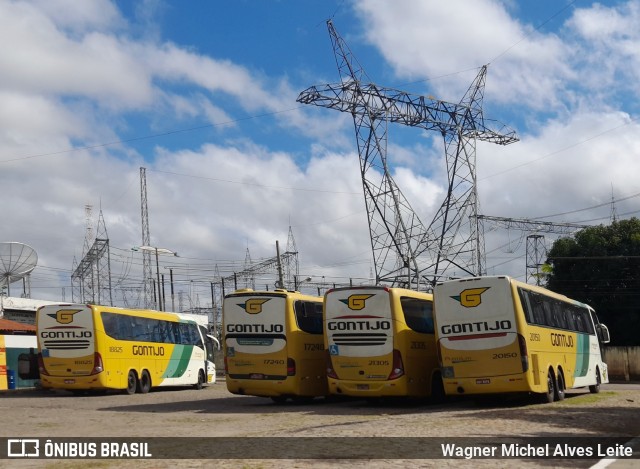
(21, 309)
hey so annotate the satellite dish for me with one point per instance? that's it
(17, 260)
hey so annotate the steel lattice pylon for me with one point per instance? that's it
(405, 251)
(536, 250)
(91, 278)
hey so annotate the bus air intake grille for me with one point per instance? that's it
(67, 344)
(360, 339)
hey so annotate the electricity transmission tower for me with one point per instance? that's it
(536, 250)
(147, 275)
(91, 278)
(406, 252)
(285, 264)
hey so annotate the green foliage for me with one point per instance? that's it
(600, 266)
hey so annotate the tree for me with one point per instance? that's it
(600, 266)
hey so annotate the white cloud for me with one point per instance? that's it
(430, 39)
(609, 42)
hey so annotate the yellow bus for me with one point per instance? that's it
(273, 345)
(498, 335)
(91, 347)
(381, 343)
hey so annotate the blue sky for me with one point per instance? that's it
(203, 93)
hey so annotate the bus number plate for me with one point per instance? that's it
(256, 376)
(362, 387)
(483, 381)
(69, 381)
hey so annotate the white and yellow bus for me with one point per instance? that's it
(273, 344)
(91, 347)
(498, 335)
(381, 343)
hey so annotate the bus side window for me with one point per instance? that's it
(537, 308)
(559, 314)
(579, 320)
(109, 322)
(418, 314)
(570, 318)
(526, 305)
(174, 335)
(308, 316)
(549, 319)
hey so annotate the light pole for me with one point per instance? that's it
(157, 251)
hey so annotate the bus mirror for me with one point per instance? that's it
(215, 341)
(603, 334)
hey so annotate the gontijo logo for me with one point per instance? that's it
(254, 305)
(471, 297)
(356, 302)
(64, 316)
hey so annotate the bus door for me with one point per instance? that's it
(211, 344)
(359, 334)
(255, 338)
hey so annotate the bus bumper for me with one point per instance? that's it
(73, 382)
(261, 388)
(486, 385)
(395, 388)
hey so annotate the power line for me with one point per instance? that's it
(253, 183)
(537, 28)
(147, 137)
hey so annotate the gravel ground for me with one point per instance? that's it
(213, 412)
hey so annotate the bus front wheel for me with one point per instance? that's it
(595, 389)
(200, 382)
(144, 385)
(132, 382)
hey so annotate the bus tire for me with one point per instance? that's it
(132, 382)
(279, 399)
(560, 387)
(144, 384)
(549, 396)
(437, 389)
(595, 388)
(200, 382)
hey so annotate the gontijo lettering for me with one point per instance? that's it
(364, 325)
(480, 326)
(259, 328)
(65, 334)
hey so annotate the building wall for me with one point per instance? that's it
(14, 346)
(622, 362)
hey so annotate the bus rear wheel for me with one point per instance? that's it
(438, 395)
(595, 389)
(132, 382)
(560, 387)
(144, 385)
(549, 396)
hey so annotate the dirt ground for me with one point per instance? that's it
(213, 412)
